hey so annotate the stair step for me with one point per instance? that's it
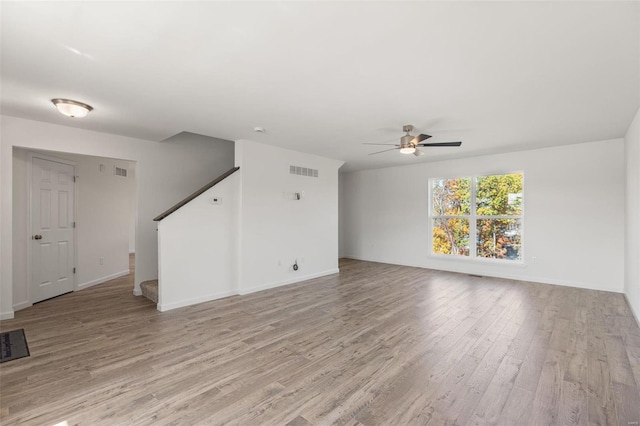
(150, 290)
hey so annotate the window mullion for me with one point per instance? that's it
(472, 221)
(515, 216)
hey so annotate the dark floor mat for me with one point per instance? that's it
(14, 345)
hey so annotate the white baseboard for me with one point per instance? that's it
(132, 252)
(506, 275)
(103, 279)
(188, 302)
(294, 280)
(22, 305)
(635, 314)
(137, 291)
(6, 315)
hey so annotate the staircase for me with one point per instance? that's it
(173, 243)
(150, 290)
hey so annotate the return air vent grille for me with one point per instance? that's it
(120, 171)
(303, 171)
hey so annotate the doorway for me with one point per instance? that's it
(104, 213)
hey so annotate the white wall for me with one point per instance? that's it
(20, 226)
(573, 225)
(632, 240)
(6, 246)
(341, 209)
(104, 204)
(275, 229)
(166, 173)
(133, 214)
(196, 248)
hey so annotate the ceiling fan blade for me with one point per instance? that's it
(421, 137)
(440, 144)
(379, 152)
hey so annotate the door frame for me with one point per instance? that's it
(46, 157)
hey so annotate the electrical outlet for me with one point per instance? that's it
(101, 260)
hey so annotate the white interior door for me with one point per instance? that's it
(52, 228)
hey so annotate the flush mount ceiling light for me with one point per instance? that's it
(71, 108)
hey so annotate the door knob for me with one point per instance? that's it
(37, 237)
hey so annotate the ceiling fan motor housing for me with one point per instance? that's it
(405, 141)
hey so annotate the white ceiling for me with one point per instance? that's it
(324, 77)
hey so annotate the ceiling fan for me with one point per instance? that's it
(409, 144)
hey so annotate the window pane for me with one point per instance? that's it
(451, 236)
(499, 238)
(451, 197)
(499, 195)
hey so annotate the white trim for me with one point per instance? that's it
(188, 302)
(294, 280)
(22, 305)
(635, 314)
(159, 249)
(506, 276)
(31, 156)
(103, 279)
(137, 292)
(6, 315)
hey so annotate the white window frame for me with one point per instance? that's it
(473, 221)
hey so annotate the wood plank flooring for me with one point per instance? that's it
(377, 344)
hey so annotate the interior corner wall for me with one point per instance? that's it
(276, 229)
(632, 210)
(166, 172)
(341, 203)
(574, 201)
(104, 206)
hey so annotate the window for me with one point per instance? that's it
(479, 217)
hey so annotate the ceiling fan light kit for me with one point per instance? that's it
(409, 144)
(406, 145)
(407, 150)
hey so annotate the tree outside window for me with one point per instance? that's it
(478, 217)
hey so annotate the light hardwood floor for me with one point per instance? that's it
(376, 344)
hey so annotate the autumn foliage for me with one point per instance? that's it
(494, 212)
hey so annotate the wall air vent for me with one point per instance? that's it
(303, 171)
(120, 171)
